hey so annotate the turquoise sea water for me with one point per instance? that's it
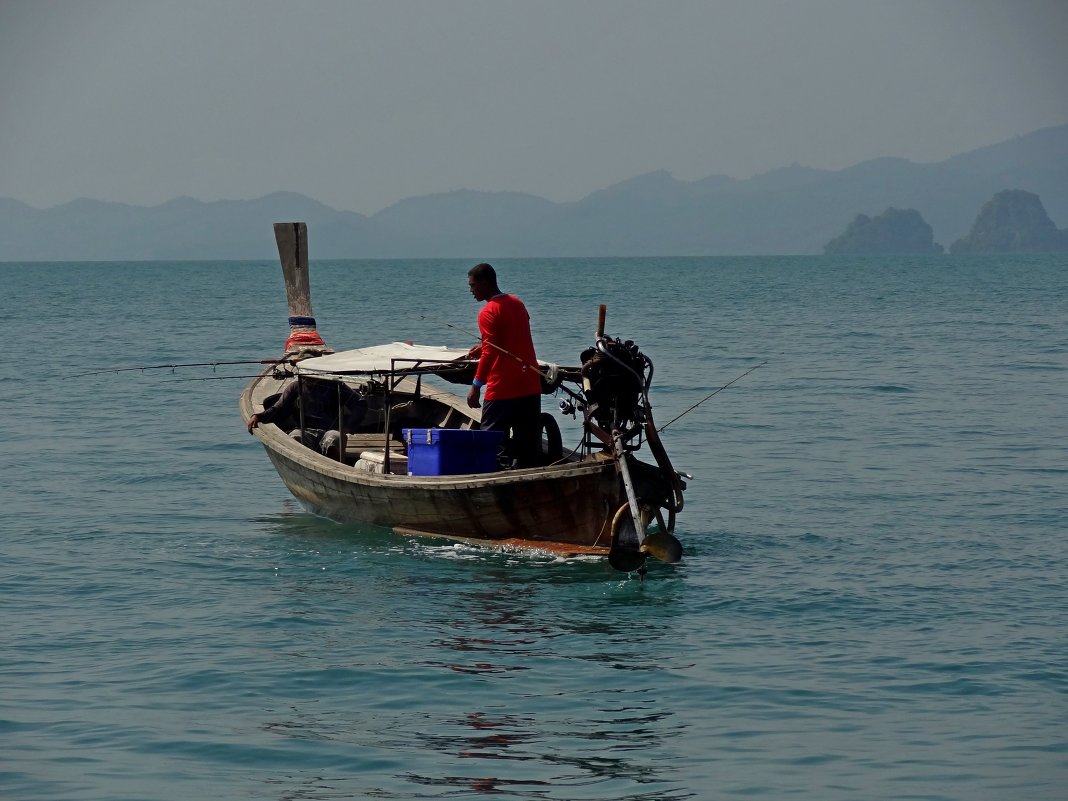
(872, 603)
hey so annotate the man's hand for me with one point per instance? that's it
(475, 352)
(253, 422)
(472, 397)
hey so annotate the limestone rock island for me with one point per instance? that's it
(1014, 221)
(894, 231)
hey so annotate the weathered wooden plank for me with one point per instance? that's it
(292, 241)
(356, 444)
(371, 441)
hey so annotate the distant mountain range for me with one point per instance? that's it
(792, 210)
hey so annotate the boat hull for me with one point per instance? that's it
(566, 508)
(565, 505)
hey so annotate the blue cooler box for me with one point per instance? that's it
(451, 451)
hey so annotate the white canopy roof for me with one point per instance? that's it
(376, 359)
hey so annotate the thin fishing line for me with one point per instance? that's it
(450, 325)
(739, 378)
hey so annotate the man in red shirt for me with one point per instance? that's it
(507, 367)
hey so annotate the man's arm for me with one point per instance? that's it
(488, 325)
(270, 414)
(473, 396)
(487, 354)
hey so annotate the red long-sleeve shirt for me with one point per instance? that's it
(504, 322)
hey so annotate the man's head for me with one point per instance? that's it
(482, 281)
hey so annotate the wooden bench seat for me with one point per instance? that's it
(356, 443)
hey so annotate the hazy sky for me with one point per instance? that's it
(360, 104)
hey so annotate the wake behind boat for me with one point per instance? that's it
(416, 462)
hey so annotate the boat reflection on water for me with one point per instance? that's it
(466, 670)
(577, 730)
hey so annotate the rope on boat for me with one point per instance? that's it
(302, 334)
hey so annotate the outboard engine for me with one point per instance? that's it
(616, 377)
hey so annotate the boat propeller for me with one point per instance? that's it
(632, 543)
(629, 552)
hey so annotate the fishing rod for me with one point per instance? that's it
(486, 342)
(212, 365)
(550, 380)
(217, 378)
(739, 378)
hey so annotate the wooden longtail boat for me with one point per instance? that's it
(598, 499)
